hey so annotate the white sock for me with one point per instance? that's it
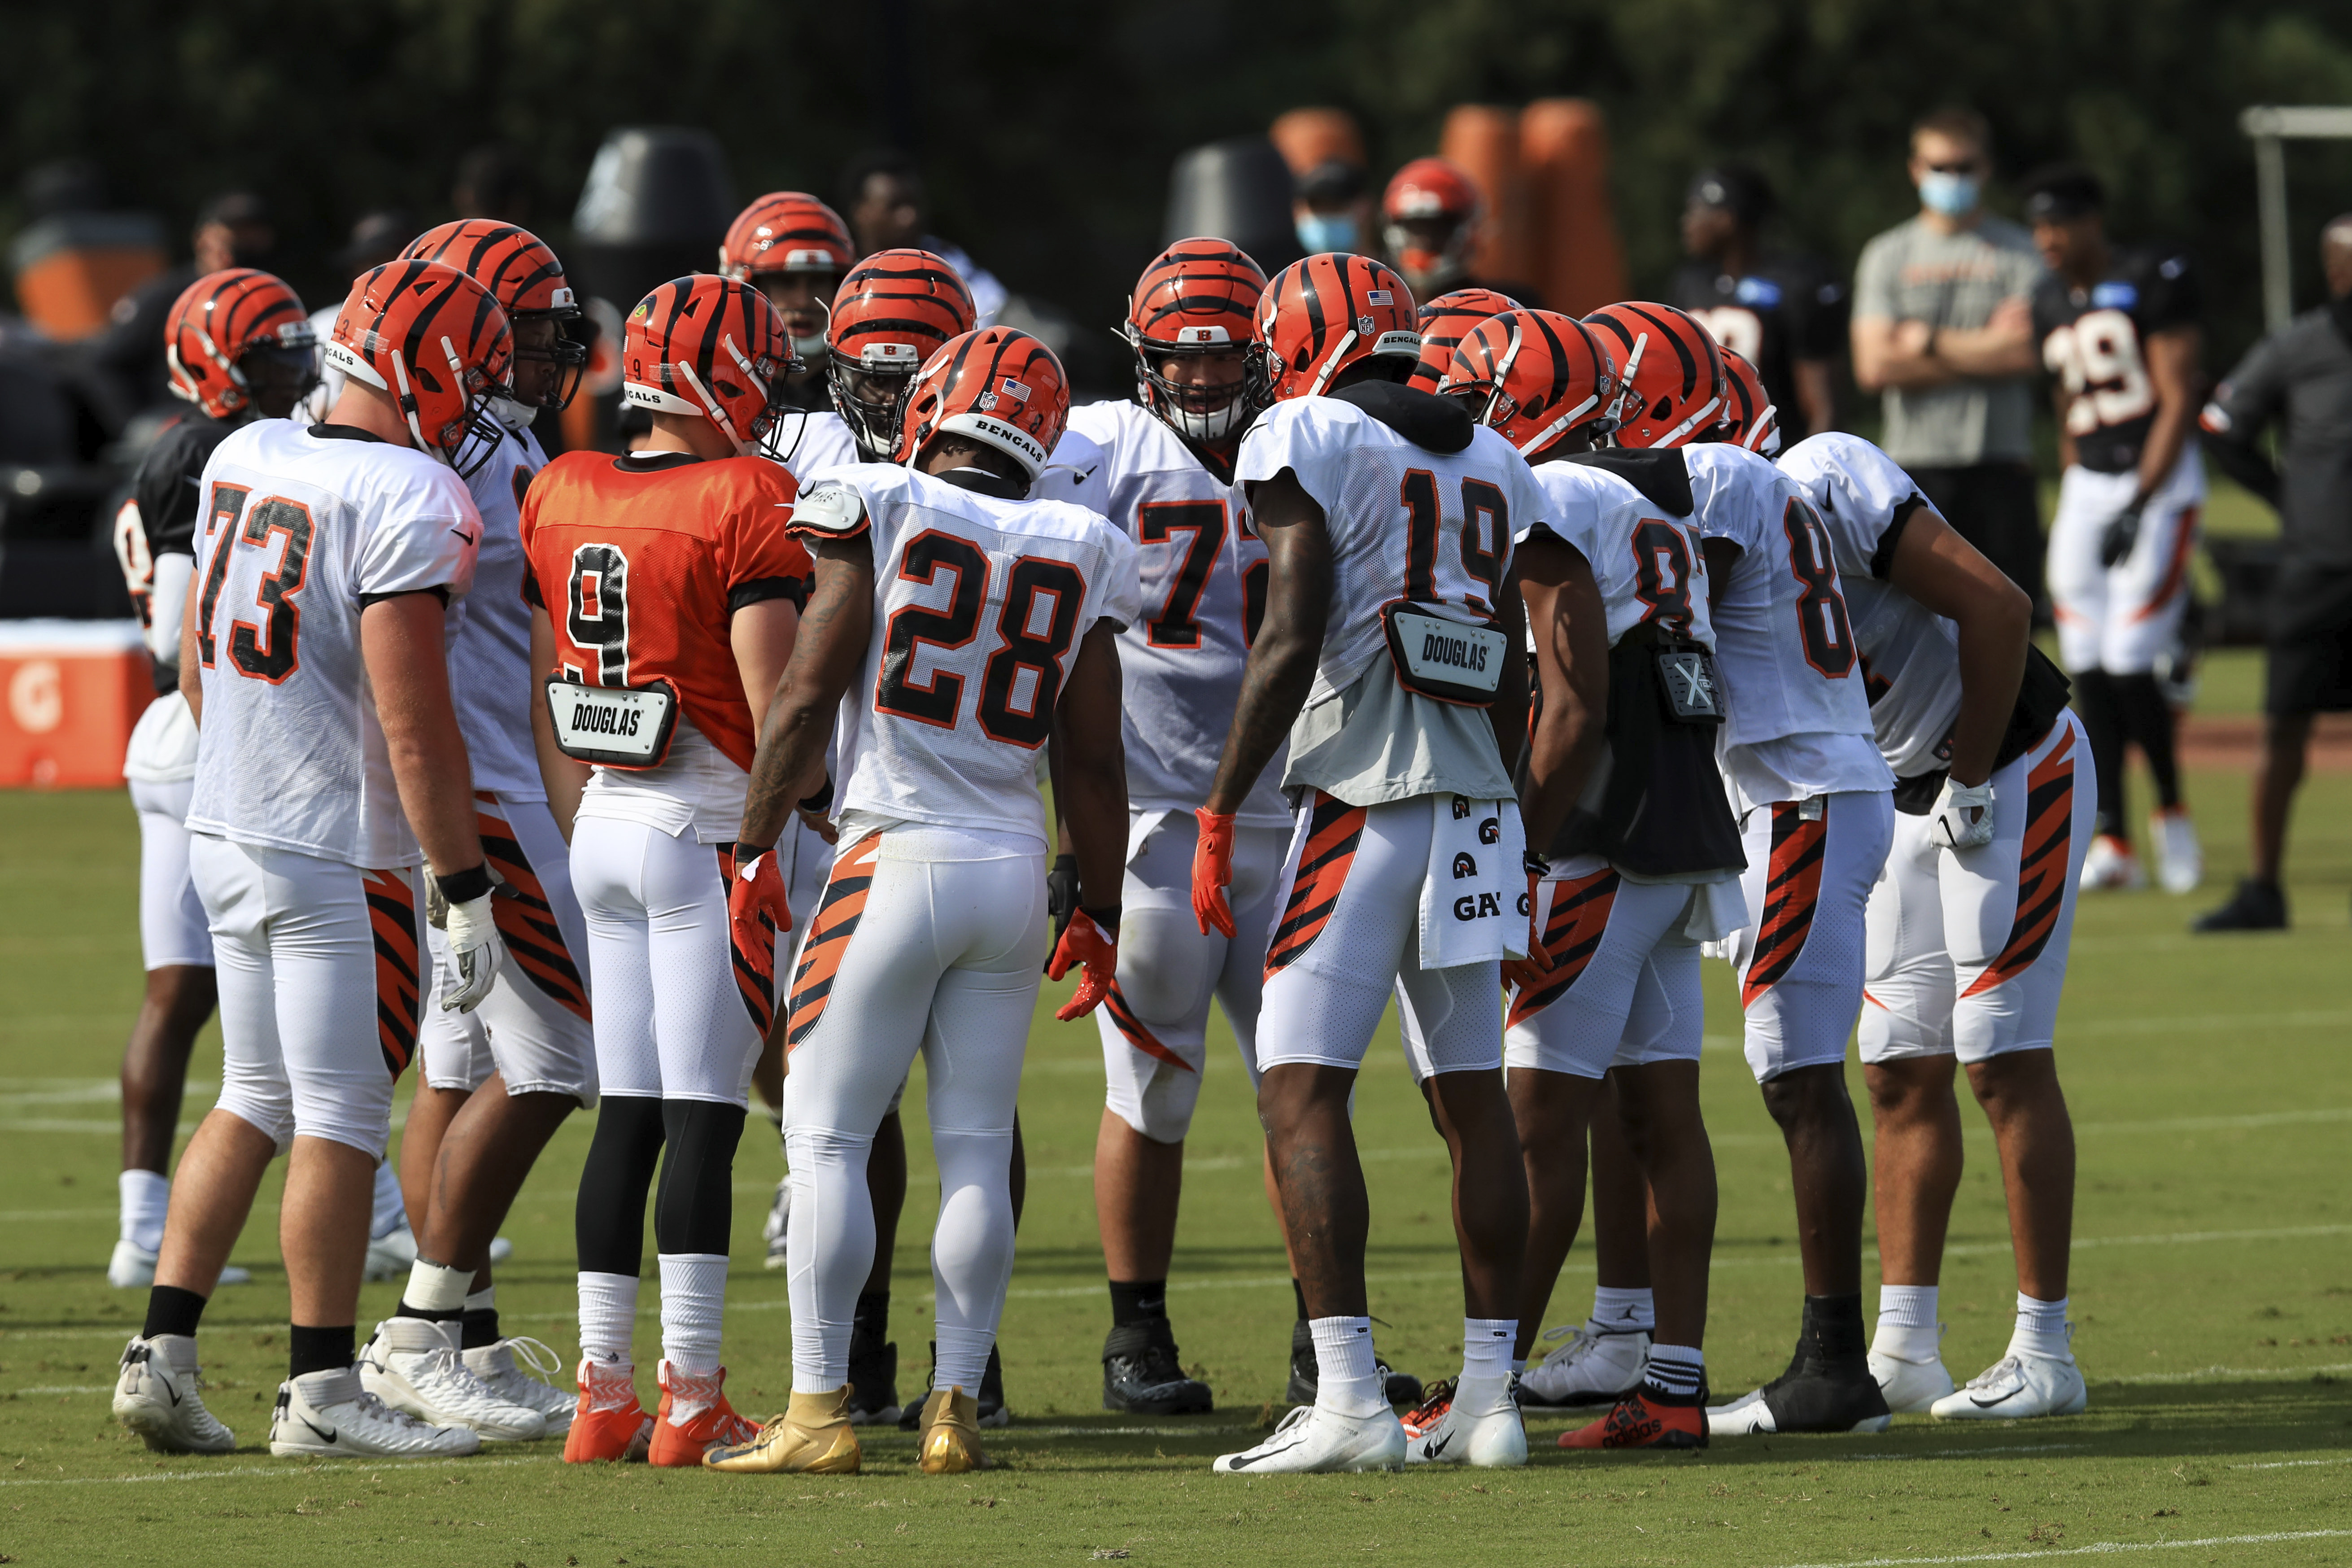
(961, 1357)
(693, 1297)
(146, 1197)
(829, 1251)
(435, 1289)
(1348, 1382)
(391, 1213)
(1486, 1345)
(2041, 1327)
(1677, 1369)
(1907, 1328)
(1619, 1311)
(485, 1300)
(608, 1319)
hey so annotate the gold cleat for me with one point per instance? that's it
(812, 1437)
(951, 1428)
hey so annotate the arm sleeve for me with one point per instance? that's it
(1873, 281)
(168, 603)
(425, 537)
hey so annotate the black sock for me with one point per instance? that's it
(873, 1313)
(1138, 1301)
(1299, 1296)
(2149, 723)
(431, 1315)
(172, 1310)
(2101, 706)
(319, 1350)
(478, 1328)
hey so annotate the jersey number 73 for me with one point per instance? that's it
(268, 647)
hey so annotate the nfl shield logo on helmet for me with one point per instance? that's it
(1364, 325)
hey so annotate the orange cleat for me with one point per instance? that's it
(1644, 1419)
(694, 1415)
(609, 1424)
(1430, 1414)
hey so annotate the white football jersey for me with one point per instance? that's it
(1646, 563)
(1910, 656)
(979, 608)
(1203, 579)
(297, 532)
(809, 443)
(490, 662)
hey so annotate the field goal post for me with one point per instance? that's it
(2270, 127)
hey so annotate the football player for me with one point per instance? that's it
(1392, 637)
(1443, 323)
(792, 248)
(1969, 925)
(498, 1080)
(1637, 871)
(954, 627)
(1784, 314)
(1430, 216)
(666, 595)
(238, 346)
(312, 657)
(1812, 793)
(2118, 331)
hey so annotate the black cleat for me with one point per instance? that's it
(1143, 1375)
(1402, 1387)
(2256, 905)
(1827, 1388)
(873, 1379)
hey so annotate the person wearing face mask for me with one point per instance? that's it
(1333, 211)
(1943, 329)
(792, 248)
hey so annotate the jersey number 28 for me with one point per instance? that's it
(1022, 678)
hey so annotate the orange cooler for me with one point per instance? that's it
(69, 693)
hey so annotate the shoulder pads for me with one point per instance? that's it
(832, 509)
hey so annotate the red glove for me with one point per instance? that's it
(1525, 973)
(757, 911)
(1212, 872)
(1085, 942)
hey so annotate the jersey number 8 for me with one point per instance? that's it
(1022, 678)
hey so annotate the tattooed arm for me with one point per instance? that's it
(826, 654)
(1281, 668)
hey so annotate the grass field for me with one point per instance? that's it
(2213, 1292)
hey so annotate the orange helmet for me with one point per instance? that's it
(1755, 423)
(1323, 314)
(785, 231)
(1531, 376)
(523, 275)
(1430, 190)
(999, 386)
(217, 321)
(896, 308)
(711, 346)
(1197, 297)
(436, 341)
(1673, 374)
(1444, 322)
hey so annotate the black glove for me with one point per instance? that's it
(1060, 897)
(2121, 534)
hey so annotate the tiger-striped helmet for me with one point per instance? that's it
(1321, 315)
(1444, 322)
(216, 322)
(1754, 422)
(528, 282)
(896, 308)
(785, 231)
(1532, 376)
(1198, 297)
(711, 346)
(437, 342)
(999, 386)
(1671, 370)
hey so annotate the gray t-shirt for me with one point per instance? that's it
(1911, 273)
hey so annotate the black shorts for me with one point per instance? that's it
(2309, 669)
(1996, 506)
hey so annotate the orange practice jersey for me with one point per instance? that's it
(641, 565)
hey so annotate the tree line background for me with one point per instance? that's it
(1047, 129)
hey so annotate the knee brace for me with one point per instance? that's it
(609, 1225)
(695, 1206)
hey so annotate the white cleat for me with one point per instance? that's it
(1485, 1431)
(328, 1416)
(1910, 1386)
(1314, 1441)
(156, 1396)
(390, 1256)
(500, 1369)
(2179, 861)
(1591, 1368)
(2019, 1386)
(132, 1267)
(413, 1364)
(2110, 865)
(780, 1214)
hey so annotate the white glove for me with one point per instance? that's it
(1964, 814)
(475, 952)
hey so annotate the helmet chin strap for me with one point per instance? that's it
(1330, 365)
(717, 416)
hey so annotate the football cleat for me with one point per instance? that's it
(329, 1415)
(157, 1394)
(608, 1423)
(1483, 1428)
(874, 1379)
(1424, 1418)
(1910, 1386)
(951, 1440)
(2256, 905)
(1306, 1374)
(414, 1364)
(2179, 862)
(499, 1367)
(1312, 1441)
(1594, 1367)
(1143, 1374)
(2019, 1386)
(2110, 864)
(1646, 1418)
(780, 1213)
(390, 1254)
(1812, 1399)
(694, 1416)
(132, 1267)
(812, 1436)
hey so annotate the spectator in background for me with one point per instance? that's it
(2300, 377)
(233, 229)
(1943, 328)
(494, 181)
(1334, 207)
(888, 208)
(1784, 314)
(1429, 218)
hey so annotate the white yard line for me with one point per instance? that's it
(2095, 1549)
(2294, 1464)
(280, 1470)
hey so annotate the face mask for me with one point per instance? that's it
(1954, 195)
(1320, 232)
